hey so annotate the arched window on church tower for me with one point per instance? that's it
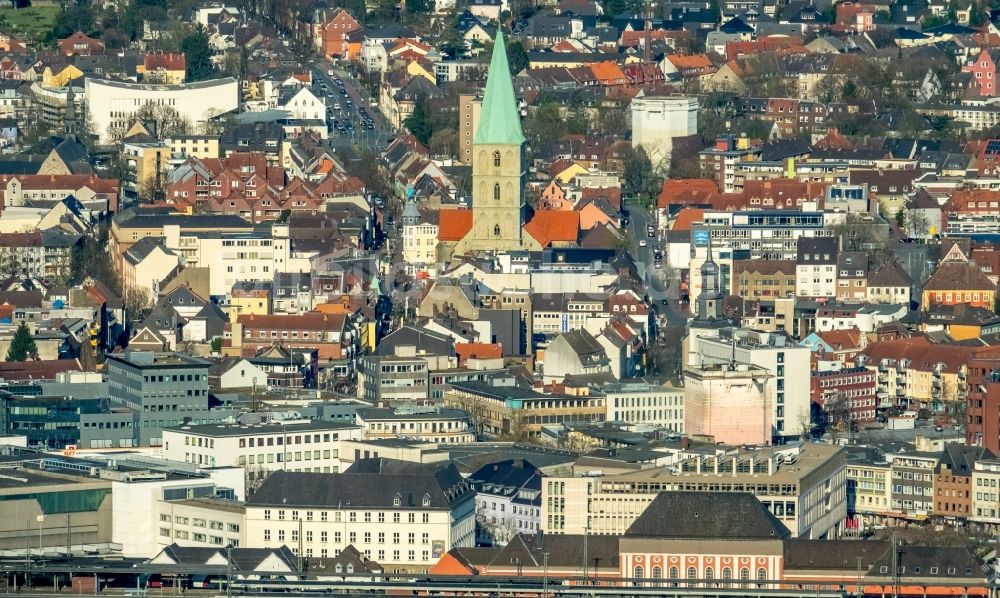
(496, 191)
(496, 231)
(496, 159)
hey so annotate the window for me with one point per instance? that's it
(673, 572)
(692, 573)
(657, 572)
(638, 572)
(496, 191)
(496, 231)
(496, 159)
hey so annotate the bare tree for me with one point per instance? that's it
(255, 476)
(500, 530)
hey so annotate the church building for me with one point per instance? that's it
(499, 211)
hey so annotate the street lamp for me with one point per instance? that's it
(545, 574)
(229, 570)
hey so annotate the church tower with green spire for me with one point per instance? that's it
(498, 175)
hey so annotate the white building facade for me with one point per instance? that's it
(656, 120)
(298, 445)
(111, 105)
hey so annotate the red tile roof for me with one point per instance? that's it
(453, 225)
(549, 226)
(167, 61)
(923, 355)
(306, 321)
(37, 370)
(687, 191)
(466, 351)
(848, 338)
(686, 217)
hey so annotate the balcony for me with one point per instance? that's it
(883, 378)
(900, 392)
(936, 383)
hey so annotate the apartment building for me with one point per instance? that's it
(953, 485)
(403, 515)
(912, 373)
(912, 484)
(763, 279)
(869, 488)
(293, 445)
(985, 493)
(804, 487)
(816, 267)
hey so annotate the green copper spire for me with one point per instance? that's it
(499, 121)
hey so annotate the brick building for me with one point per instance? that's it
(846, 393)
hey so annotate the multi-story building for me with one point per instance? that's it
(193, 146)
(912, 484)
(469, 107)
(804, 487)
(645, 404)
(953, 484)
(766, 233)
(38, 190)
(720, 161)
(42, 255)
(982, 406)
(762, 280)
(657, 119)
(985, 493)
(229, 257)
(508, 501)
(55, 422)
(869, 488)
(294, 445)
(51, 103)
(390, 378)
(204, 521)
(553, 313)
(328, 334)
(816, 267)
(146, 162)
(432, 424)
(501, 409)
(845, 394)
(165, 390)
(786, 392)
(111, 105)
(403, 515)
(932, 376)
(419, 241)
(130, 226)
(714, 392)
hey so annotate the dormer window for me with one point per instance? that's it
(397, 500)
(426, 502)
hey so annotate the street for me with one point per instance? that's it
(661, 283)
(358, 135)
